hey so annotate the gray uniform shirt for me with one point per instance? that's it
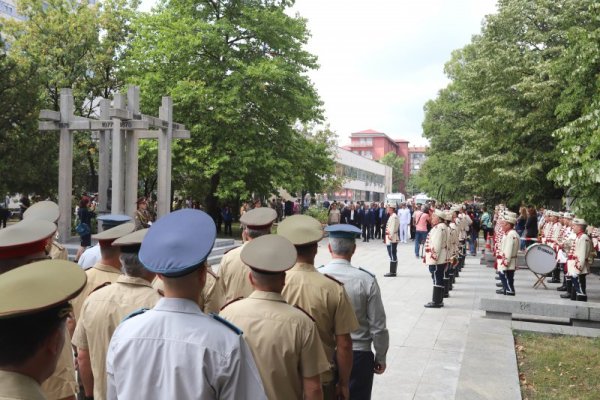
(363, 290)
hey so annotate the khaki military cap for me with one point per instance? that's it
(579, 221)
(46, 210)
(116, 232)
(449, 215)
(25, 237)
(510, 214)
(259, 218)
(39, 286)
(568, 216)
(132, 242)
(510, 219)
(301, 230)
(269, 254)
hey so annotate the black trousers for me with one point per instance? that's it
(437, 274)
(361, 378)
(378, 230)
(392, 249)
(367, 232)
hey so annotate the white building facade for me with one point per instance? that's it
(363, 179)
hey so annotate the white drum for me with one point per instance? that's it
(540, 258)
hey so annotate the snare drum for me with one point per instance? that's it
(540, 258)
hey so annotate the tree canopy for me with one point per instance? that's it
(523, 95)
(393, 160)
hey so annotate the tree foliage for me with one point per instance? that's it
(393, 160)
(237, 74)
(521, 94)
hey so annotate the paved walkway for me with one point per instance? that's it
(448, 353)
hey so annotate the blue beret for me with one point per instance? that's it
(343, 231)
(178, 243)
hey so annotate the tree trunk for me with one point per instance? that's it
(210, 199)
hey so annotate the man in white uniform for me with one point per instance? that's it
(404, 217)
(175, 351)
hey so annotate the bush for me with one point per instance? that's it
(319, 213)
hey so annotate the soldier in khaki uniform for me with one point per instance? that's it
(233, 273)
(435, 257)
(284, 340)
(21, 244)
(507, 258)
(105, 308)
(392, 238)
(324, 298)
(108, 269)
(49, 211)
(33, 324)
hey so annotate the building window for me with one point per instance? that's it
(366, 141)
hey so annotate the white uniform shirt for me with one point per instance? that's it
(90, 257)
(404, 216)
(175, 351)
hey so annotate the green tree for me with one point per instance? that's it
(239, 83)
(396, 162)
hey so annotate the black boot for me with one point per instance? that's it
(567, 294)
(446, 287)
(437, 298)
(497, 277)
(582, 296)
(555, 276)
(393, 266)
(451, 280)
(563, 287)
(573, 294)
(499, 284)
(452, 276)
(456, 272)
(500, 291)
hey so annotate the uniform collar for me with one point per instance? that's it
(340, 261)
(271, 296)
(304, 267)
(18, 386)
(133, 280)
(172, 304)
(106, 268)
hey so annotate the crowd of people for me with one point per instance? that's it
(150, 318)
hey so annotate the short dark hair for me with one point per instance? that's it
(22, 336)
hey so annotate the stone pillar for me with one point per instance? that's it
(164, 157)
(103, 159)
(118, 160)
(65, 166)
(131, 171)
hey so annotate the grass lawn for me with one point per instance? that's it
(558, 367)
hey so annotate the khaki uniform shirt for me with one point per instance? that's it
(233, 276)
(508, 251)
(211, 297)
(14, 386)
(98, 275)
(102, 312)
(454, 250)
(58, 252)
(325, 300)
(63, 382)
(283, 340)
(435, 245)
(579, 263)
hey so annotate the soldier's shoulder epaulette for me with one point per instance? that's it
(368, 272)
(231, 301)
(88, 268)
(226, 323)
(100, 287)
(135, 313)
(321, 266)
(333, 279)
(305, 312)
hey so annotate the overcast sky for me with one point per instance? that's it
(381, 60)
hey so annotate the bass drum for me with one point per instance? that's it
(540, 258)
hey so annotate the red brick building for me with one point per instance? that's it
(374, 145)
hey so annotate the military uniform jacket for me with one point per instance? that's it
(435, 245)
(233, 276)
(507, 261)
(325, 300)
(97, 276)
(58, 252)
(363, 291)
(449, 247)
(63, 382)
(284, 341)
(454, 252)
(581, 255)
(391, 229)
(175, 351)
(14, 386)
(102, 312)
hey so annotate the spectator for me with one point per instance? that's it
(531, 226)
(520, 225)
(84, 215)
(24, 204)
(334, 216)
(227, 220)
(486, 224)
(421, 219)
(404, 217)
